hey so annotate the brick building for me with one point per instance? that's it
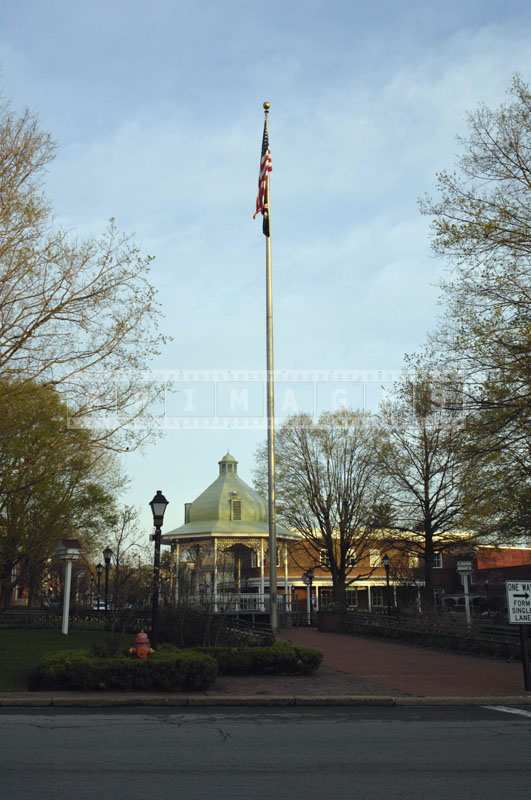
(221, 557)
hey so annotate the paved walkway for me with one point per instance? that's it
(386, 667)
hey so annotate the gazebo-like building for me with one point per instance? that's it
(221, 551)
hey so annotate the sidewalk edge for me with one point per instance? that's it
(165, 701)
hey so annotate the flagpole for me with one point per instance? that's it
(273, 598)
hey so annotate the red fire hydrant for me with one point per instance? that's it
(142, 647)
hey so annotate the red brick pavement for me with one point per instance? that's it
(355, 665)
(392, 668)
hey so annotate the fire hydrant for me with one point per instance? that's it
(142, 647)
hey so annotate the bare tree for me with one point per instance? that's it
(81, 316)
(128, 542)
(426, 473)
(330, 489)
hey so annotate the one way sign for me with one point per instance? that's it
(519, 602)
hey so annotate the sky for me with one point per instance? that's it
(157, 112)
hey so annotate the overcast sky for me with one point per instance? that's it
(156, 108)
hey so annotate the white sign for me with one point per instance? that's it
(464, 566)
(519, 602)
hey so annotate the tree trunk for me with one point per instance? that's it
(427, 593)
(34, 576)
(6, 585)
(340, 592)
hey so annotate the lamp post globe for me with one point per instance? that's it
(158, 508)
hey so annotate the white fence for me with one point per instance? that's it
(237, 602)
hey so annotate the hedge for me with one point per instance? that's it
(167, 670)
(279, 659)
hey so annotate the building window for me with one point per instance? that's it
(377, 597)
(352, 598)
(375, 558)
(324, 561)
(413, 560)
(352, 560)
(236, 509)
(437, 561)
(255, 559)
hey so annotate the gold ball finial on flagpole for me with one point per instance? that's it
(267, 106)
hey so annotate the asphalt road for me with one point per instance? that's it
(377, 753)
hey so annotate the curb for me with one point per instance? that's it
(204, 701)
(507, 700)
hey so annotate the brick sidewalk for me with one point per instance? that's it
(391, 668)
(352, 666)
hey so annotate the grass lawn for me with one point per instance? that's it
(22, 649)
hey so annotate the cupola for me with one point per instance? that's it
(228, 465)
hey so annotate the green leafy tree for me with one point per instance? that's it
(481, 220)
(54, 484)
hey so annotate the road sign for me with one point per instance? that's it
(519, 602)
(464, 566)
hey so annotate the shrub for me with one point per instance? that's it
(279, 659)
(167, 670)
(107, 648)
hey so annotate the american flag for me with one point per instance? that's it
(266, 166)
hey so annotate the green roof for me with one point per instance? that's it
(228, 506)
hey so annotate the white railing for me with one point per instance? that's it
(236, 602)
(242, 602)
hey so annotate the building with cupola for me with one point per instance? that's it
(221, 559)
(221, 555)
(221, 551)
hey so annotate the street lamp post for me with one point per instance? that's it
(158, 508)
(107, 555)
(99, 571)
(307, 578)
(386, 562)
(68, 551)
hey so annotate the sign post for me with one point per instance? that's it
(307, 578)
(464, 568)
(519, 607)
(68, 550)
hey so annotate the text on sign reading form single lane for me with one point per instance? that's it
(519, 602)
